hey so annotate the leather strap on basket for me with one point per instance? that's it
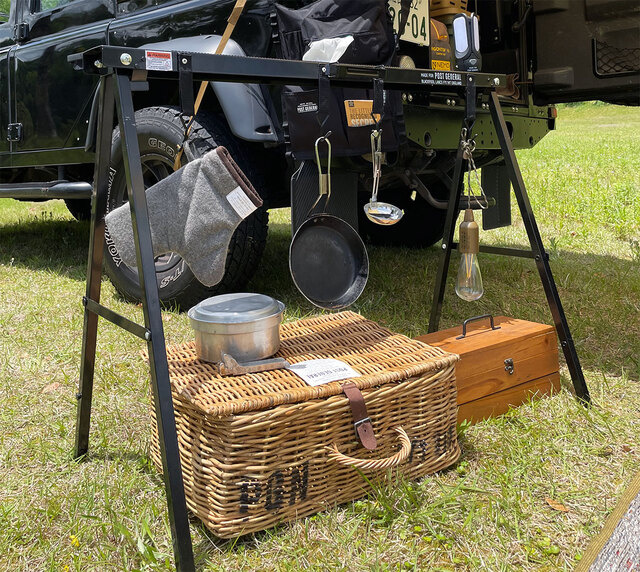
(361, 420)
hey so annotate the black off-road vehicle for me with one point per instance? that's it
(552, 50)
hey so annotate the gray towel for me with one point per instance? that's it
(192, 212)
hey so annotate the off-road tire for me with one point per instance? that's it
(79, 208)
(160, 132)
(421, 226)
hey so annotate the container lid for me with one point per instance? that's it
(235, 308)
(378, 355)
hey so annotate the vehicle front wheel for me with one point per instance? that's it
(160, 133)
(79, 208)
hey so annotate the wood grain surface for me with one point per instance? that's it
(485, 386)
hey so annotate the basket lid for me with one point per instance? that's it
(377, 354)
(235, 308)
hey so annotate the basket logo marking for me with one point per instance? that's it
(292, 483)
(274, 495)
(445, 441)
(420, 448)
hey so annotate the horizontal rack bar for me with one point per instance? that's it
(504, 251)
(246, 69)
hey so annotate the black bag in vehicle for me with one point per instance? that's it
(366, 20)
(311, 113)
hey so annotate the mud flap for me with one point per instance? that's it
(496, 184)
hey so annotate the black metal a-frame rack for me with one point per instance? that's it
(121, 71)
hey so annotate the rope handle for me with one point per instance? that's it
(374, 464)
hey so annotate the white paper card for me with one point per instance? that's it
(328, 50)
(158, 61)
(321, 371)
(241, 203)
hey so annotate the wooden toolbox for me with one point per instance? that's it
(504, 361)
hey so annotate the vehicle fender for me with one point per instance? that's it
(242, 104)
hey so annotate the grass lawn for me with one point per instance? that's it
(489, 512)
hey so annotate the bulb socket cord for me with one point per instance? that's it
(469, 234)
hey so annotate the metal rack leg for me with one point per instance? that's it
(540, 255)
(94, 265)
(163, 402)
(453, 211)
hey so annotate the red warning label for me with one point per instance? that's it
(158, 61)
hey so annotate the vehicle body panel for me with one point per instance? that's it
(41, 91)
(193, 18)
(242, 104)
(53, 98)
(5, 90)
(587, 50)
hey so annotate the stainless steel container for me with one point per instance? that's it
(243, 325)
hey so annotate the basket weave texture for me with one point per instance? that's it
(255, 448)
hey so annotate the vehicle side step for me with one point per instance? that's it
(46, 191)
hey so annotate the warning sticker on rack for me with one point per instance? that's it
(320, 371)
(158, 61)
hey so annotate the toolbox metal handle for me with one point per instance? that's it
(464, 324)
(374, 464)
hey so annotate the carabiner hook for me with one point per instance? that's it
(324, 179)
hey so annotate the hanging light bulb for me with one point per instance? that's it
(469, 282)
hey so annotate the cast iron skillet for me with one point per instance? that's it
(328, 262)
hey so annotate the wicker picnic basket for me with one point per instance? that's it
(260, 449)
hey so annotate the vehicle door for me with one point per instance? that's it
(52, 101)
(6, 44)
(587, 49)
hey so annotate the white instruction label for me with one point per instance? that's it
(158, 61)
(320, 371)
(241, 203)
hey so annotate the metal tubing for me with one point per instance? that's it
(117, 319)
(447, 238)
(540, 255)
(160, 384)
(94, 265)
(212, 67)
(503, 251)
(53, 190)
(454, 205)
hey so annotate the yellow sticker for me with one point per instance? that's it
(440, 65)
(359, 112)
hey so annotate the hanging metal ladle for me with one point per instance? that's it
(379, 212)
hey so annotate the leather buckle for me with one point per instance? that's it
(361, 421)
(358, 423)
